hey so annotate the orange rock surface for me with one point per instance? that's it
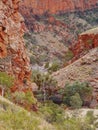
(13, 57)
(54, 6)
(85, 43)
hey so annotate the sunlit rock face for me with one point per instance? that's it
(13, 57)
(54, 6)
(86, 41)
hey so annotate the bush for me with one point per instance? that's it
(18, 120)
(33, 60)
(54, 67)
(6, 82)
(46, 84)
(25, 99)
(30, 38)
(75, 101)
(19, 97)
(55, 115)
(82, 88)
(69, 55)
(90, 117)
(52, 113)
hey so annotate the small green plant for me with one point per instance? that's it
(54, 67)
(90, 117)
(75, 101)
(19, 97)
(6, 81)
(69, 55)
(46, 84)
(90, 41)
(24, 98)
(33, 60)
(32, 39)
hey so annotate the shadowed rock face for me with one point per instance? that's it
(54, 6)
(13, 57)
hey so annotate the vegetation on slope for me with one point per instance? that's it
(49, 117)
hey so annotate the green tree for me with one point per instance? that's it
(75, 101)
(6, 81)
(45, 82)
(82, 88)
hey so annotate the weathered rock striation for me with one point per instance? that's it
(13, 57)
(55, 6)
(86, 41)
(33, 9)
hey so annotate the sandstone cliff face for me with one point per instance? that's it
(86, 41)
(54, 6)
(13, 58)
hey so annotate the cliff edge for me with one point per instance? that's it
(13, 57)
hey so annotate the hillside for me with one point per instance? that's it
(13, 117)
(53, 6)
(86, 41)
(53, 35)
(49, 65)
(84, 69)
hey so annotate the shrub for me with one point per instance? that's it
(30, 38)
(26, 99)
(90, 117)
(6, 82)
(75, 101)
(46, 84)
(52, 113)
(18, 120)
(82, 88)
(19, 97)
(54, 67)
(69, 55)
(33, 60)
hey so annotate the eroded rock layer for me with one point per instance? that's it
(54, 6)
(13, 57)
(86, 41)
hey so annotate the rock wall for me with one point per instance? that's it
(13, 57)
(86, 41)
(54, 6)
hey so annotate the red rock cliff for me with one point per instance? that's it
(86, 41)
(54, 6)
(13, 57)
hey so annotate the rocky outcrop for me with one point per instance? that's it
(54, 6)
(86, 41)
(84, 70)
(13, 57)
